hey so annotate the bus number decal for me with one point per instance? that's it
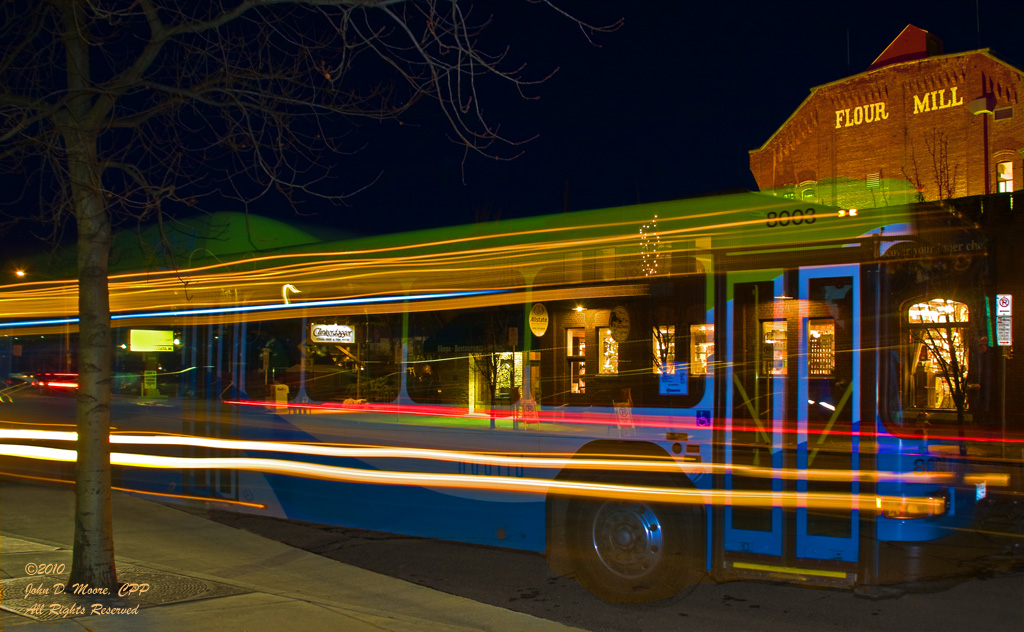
(931, 464)
(785, 218)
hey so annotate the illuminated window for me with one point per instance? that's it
(702, 349)
(507, 364)
(938, 353)
(609, 350)
(663, 344)
(576, 351)
(1004, 177)
(821, 347)
(774, 360)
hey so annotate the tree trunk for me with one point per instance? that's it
(93, 557)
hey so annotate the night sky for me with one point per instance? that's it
(666, 107)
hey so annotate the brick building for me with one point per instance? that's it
(916, 125)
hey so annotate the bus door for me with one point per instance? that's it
(786, 425)
(828, 413)
(754, 418)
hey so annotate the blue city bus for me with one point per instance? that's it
(737, 386)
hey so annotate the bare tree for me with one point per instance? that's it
(944, 174)
(946, 344)
(116, 110)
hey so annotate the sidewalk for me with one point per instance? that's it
(203, 576)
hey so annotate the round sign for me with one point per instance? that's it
(618, 322)
(538, 319)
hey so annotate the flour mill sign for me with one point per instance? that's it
(875, 112)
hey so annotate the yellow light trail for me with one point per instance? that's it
(451, 264)
(208, 499)
(620, 463)
(732, 498)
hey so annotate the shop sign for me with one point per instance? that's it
(618, 322)
(538, 319)
(676, 382)
(143, 340)
(332, 334)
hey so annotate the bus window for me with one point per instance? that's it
(576, 351)
(821, 347)
(702, 349)
(663, 343)
(773, 349)
(937, 353)
(608, 352)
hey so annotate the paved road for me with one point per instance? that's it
(522, 582)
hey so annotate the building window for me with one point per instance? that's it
(663, 345)
(821, 347)
(509, 365)
(1004, 176)
(609, 352)
(576, 351)
(938, 352)
(702, 349)
(774, 359)
(873, 180)
(1002, 114)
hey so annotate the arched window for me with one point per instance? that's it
(937, 363)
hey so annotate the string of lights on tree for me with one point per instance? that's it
(650, 245)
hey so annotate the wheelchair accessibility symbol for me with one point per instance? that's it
(703, 418)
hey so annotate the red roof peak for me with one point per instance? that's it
(912, 43)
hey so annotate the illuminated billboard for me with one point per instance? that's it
(151, 340)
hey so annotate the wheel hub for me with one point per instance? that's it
(627, 538)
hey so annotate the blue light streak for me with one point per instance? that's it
(263, 308)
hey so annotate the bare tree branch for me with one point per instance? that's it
(115, 110)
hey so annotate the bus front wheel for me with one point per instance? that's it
(627, 551)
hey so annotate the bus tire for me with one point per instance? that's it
(629, 551)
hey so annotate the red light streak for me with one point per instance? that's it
(595, 419)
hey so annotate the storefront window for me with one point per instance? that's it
(774, 359)
(509, 363)
(821, 347)
(576, 350)
(702, 349)
(938, 352)
(663, 341)
(609, 352)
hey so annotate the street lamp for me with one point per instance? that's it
(66, 349)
